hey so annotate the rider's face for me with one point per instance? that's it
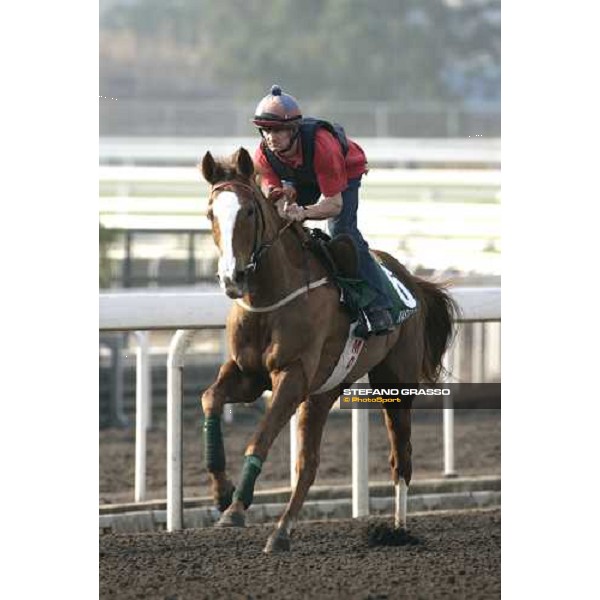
(278, 138)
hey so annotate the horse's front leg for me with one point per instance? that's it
(311, 421)
(289, 389)
(231, 386)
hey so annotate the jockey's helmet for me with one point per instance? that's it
(277, 109)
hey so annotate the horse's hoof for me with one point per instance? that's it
(224, 501)
(231, 519)
(277, 542)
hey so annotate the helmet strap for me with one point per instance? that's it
(292, 139)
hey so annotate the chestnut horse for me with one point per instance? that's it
(286, 332)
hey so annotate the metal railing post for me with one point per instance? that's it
(452, 363)
(175, 362)
(142, 413)
(360, 462)
(116, 410)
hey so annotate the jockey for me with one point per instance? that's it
(312, 164)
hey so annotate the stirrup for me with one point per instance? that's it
(381, 321)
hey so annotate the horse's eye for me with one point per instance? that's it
(250, 211)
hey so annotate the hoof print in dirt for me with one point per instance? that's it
(382, 534)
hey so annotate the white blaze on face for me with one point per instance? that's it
(225, 208)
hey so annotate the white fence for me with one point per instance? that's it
(380, 151)
(189, 311)
(141, 116)
(440, 219)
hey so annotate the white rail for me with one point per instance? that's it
(164, 309)
(158, 150)
(187, 311)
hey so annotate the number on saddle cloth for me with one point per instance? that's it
(404, 304)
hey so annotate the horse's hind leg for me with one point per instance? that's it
(312, 416)
(398, 424)
(231, 386)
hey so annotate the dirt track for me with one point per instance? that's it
(477, 451)
(457, 556)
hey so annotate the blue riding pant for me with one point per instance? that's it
(345, 222)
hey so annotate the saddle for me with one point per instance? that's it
(338, 255)
(340, 259)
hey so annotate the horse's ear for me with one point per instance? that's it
(209, 168)
(244, 163)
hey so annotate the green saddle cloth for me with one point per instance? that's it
(357, 294)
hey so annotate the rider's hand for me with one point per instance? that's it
(281, 205)
(276, 193)
(290, 192)
(293, 212)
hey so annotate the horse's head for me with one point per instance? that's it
(236, 215)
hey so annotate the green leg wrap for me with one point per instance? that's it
(251, 470)
(213, 444)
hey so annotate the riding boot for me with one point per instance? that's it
(377, 312)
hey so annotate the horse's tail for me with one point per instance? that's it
(440, 312)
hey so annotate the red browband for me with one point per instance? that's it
(224, 184)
